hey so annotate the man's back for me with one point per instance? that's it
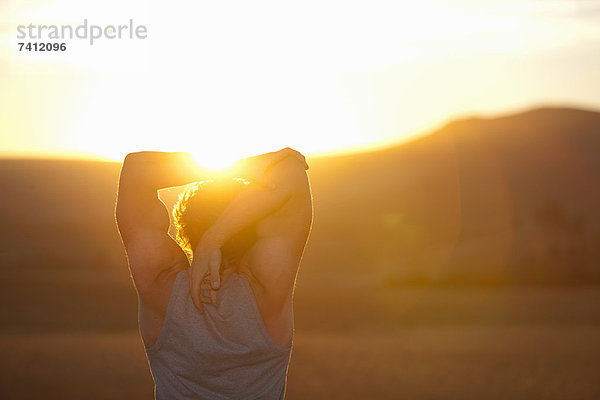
(223, 353)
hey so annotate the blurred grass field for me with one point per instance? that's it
(370, 342)
(450, 362)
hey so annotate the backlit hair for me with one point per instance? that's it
(199, 206)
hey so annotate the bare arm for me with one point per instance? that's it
(142, 219)
(281, 211)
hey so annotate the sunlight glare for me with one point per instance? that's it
(216, 161)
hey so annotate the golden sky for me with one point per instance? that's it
(229, 79)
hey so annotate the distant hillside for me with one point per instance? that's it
(512, 199)
(483, 200)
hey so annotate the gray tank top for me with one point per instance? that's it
(225, 353)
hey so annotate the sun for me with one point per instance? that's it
(216, 160)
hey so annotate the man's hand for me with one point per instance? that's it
(204, 272)
(254, 168)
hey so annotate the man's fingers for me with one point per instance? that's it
(195, 293)
(215, 280)
(214, 265)
(279, 155)
(197, 273)
(205, 299)
(283, 154)
(200, 299)
(205, 276)
(257, 166)
(207, 287)
(302, 160)
(289, 152)
(205, 290)
(299, 157)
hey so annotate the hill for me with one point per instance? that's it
(488, 200)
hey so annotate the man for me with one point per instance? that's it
(220, 327)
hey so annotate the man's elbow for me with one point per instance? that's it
(130, 165)
(137, 167)
(133, 161)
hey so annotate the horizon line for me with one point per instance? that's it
(347, 151)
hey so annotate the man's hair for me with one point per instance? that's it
(199, 207)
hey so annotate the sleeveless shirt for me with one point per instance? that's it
(224, 353)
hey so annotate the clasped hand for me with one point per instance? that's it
(205, 273)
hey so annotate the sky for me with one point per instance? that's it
(230, 79)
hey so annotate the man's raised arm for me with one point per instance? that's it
(143, 220)
(284, 181)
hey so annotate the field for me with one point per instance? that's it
(366, 343)
(450, 362)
